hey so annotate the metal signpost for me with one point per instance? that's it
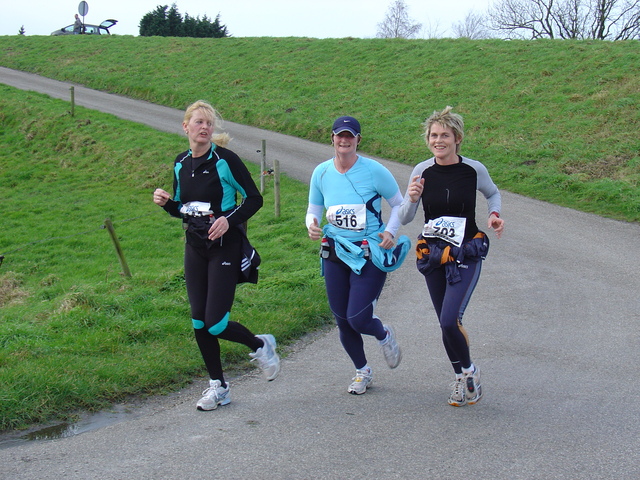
(83, 9)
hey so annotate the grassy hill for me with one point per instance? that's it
(554, 120)
(75, 334)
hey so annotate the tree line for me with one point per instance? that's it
(511, 19)
(531, 19)
(167, 21)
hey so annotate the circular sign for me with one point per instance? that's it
(83, 8)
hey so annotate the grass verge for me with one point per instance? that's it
(75, 333)
(555, 120)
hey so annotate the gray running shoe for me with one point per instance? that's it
(213, 396)
(473, 387)
(458, 396)
(267, 358)
(390, 348)
(362, 381)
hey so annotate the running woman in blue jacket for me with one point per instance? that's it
(351, 188)
(451, 247)
(207, 184)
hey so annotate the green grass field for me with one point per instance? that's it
(553, 120)
(75, 333)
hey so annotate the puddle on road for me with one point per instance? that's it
(55, 431)
(129, 410)
(85, 423)
(126, 411)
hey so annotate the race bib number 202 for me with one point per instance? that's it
(449, 229)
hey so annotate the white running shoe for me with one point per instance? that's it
(213, 396)
(266, 356)
(472, 386)
(390, 349)
(458, 396)
(362, 381)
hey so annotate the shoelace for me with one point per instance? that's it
(262, 358)
(361, 376)
(211, 392)
(458, 388)
(391, 346)
(261, 362)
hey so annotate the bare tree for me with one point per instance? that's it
(472, 27)
(397, 23)
(567, 19)
(432, 29)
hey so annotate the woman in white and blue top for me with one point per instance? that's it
(357, 248)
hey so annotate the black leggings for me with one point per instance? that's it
(210, 346)
(211, 276)
(450, 302)
(352, 299)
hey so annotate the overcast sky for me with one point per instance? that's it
(245, 18)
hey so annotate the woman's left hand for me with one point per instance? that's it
(219, 228)
(497, 224)
(386, 240)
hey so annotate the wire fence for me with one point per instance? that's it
(265, 172)
(104, 226)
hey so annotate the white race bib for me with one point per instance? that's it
(449, 229)
(350, 217)
(196, 209)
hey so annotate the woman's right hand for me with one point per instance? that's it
(160, 197)
(415, 188)
(315, 232)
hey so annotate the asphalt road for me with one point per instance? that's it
(554, 325)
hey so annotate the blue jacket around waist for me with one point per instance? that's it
(386, 260)
(432, 254)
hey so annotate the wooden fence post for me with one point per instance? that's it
(116, 243)
(276, 186)
(263, 165)
(73, 101)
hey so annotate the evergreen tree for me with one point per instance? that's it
(167, 22)
(155, 23)
(174, 22)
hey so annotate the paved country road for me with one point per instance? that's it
(554, 325)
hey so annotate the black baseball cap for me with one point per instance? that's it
(348, 124)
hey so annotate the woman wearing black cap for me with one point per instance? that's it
(357, 248)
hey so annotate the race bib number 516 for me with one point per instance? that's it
(449, 229)
(350, 217)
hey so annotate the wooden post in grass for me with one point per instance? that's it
(263, 165)
(116, 243)
(276, 186)
(73, 101)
